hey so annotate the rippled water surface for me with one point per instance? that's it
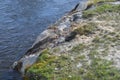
(21, 21)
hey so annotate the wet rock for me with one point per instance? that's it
(80, 6)
(25, 62)
(70, 36)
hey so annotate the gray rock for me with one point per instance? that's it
(51, 37)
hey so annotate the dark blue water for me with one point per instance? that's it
(21, 21)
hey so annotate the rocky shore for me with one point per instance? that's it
(83, 45)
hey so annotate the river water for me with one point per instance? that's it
(21, 21)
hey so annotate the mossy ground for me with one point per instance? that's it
(86, 29)
(98, 1)
(85, 61)
(100, 10)
(75, 65)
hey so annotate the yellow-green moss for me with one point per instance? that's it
(101, 9)
(43, 65)
(101, 70)
(85, 29)
(78, 48)
(98, 1)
